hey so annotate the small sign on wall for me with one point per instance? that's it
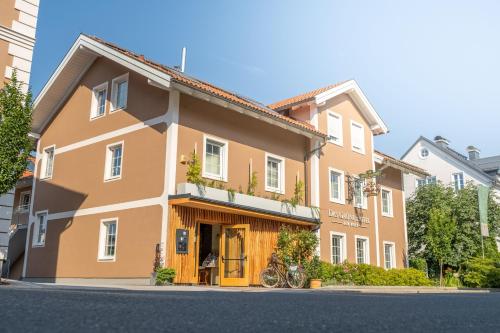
(181, 241)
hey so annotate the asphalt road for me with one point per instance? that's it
(54, 309)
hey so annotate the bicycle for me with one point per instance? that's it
(278, 274)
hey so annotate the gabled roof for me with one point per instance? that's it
(400, 165)
(87, 48)
(305, 97)
(322, 95)
(451, 153)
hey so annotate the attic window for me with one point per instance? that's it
(119, 93)
(424, 152)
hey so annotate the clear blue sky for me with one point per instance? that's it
(428, 67)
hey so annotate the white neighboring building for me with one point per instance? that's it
(449, 166)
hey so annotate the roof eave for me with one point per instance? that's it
(93, 49)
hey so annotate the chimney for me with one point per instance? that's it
(473, 152)
(441, 141)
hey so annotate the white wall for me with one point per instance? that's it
(438, 164)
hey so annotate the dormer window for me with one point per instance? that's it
(119, 93)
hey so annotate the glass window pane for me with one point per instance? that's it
(213, 158)
(273, 173)
(121, 94)
(335, 185)
(360, 251)
(116, 161)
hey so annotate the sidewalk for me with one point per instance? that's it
(408, 290)
(177, 288)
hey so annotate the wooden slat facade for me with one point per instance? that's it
(262, 240)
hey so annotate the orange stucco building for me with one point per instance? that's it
(112, 194)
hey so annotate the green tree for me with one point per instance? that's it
(15, 125)
(440, 237)
(418, 209)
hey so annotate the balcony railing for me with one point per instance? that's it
(248, 201)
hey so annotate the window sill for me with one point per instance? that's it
(113, 259)
(214, 177)
(387, 215)
(38, 245)
(274, 190)
(118, 109)
(46, 178)
(106, 180)
(97, 117)
(358, 151)
(340, 144)
(340, 202)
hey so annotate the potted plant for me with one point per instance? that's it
(313, 270)
(165, 276)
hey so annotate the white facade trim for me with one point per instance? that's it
(111, 135)
(375, 206)
(354, 91)
(172, 119)
(105, 209)
(403, 198)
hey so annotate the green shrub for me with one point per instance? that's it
(493, 278)
(313, 268)
(164, 276)
(476, 272)
(368, 275)
(419, 263)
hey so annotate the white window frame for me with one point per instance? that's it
(393, 254)
(108, 159)
(43, 172)
(281, 174)
(22, 208)
(364, 197)
(340, 200)
(453, 182)
(36, 229)
(94, 105)
(362, 149)
(114, 92)
(390, 213)
(343, 248)
(340, 141)
(102, 240)
(224, 158)
(366, 249)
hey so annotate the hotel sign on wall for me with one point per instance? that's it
(348, 219)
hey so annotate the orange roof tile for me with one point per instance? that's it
(302, 97)
(212, 90)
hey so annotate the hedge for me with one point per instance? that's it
(368, 275)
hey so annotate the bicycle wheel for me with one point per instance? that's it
(270, 278)
(296, 278)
